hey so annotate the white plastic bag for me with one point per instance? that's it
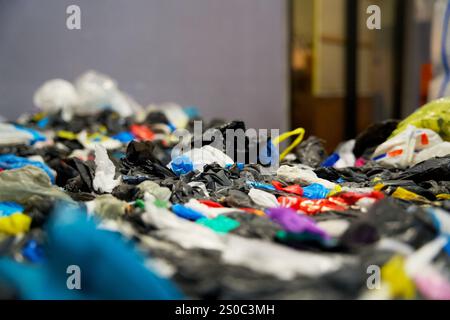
(263, 198)
(409, 147)
(302, 175)
(200, 157)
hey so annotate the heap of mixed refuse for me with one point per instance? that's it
(91, 183)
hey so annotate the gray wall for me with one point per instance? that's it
(228, 57)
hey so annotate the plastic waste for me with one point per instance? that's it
(100, 255)
(37, 136)
(299, 132)
(221, 230)
(124, 137)
(293, 222)
(346, 156)
(334, 228)
(28, 185)
(154, 189)
(8, 208)
(432, 284)
(57, 95)
(373, 136)
(419, 260)
(186, 213)
(315, 191)
(10, 161)
(206, 210)
(304, 240)
(400, 284)
(311, 152)
(220, 224)
(11, 135)
(402, 193)
(15, 223)
(105, 171)
(410, 147)
(263, 198)
(302, 175)
(434, 116)
(294, 189)
(202, 157)
(312, 206)
(260, 185)
(182, 165)
(97, 91)
(109, 207)
(142, 132)
(33, 251)
(279, 261)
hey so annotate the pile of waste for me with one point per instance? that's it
(99, 201)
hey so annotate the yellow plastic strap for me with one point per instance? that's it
(443, 196)
(402, 193)
(299, 132)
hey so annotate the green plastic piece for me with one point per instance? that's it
(139, 203)
(220, 224)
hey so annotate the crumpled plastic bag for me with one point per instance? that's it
(302, 175)
(28, 185)
(203, 156)
(411, 146)
(263, 198)
(433, 116)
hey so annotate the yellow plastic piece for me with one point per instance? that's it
(443, 196)
(400, 285)
(299, 132)
(337, 189)
(378, 187)
(402, 193)
(15, 224)
(67, 135)
(434, 116)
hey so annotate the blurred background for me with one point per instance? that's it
(274, 64)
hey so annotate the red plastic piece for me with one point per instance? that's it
(142, 132)
(294, 189)
(211, 204)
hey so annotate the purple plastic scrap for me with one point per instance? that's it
(293, 222)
